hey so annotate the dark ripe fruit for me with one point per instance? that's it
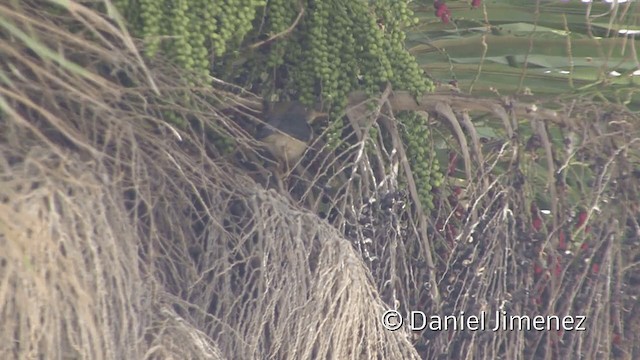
(537, 223)
(582, 217)
(562, 244)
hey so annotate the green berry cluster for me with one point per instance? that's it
(422, 157)
(150, 20)
(173, 118)
(394, 16)
(191, 31)
(340, 46)
(280, 15)
(333, 134)
(337, 47)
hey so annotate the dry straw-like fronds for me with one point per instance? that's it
(125, 237)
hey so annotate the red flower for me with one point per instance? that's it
(476, 3)
(537, 269)
(444, 14)
(562, 244)
(446, 17)
(582, 217)
(442, 11)
(453, 162)
(537, 223)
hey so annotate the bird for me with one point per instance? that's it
(287, 131)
